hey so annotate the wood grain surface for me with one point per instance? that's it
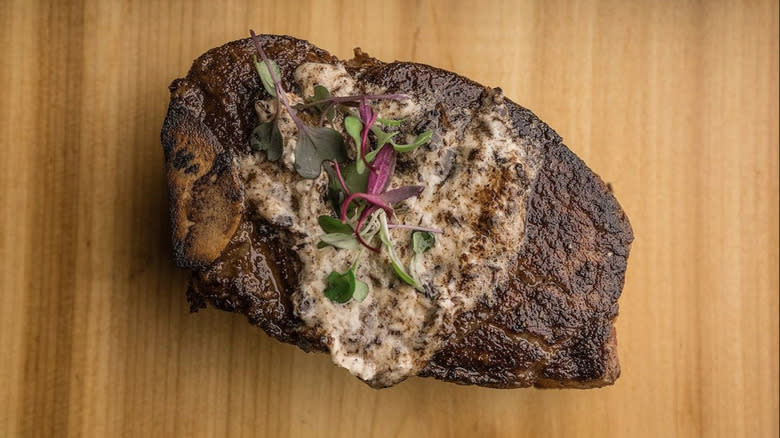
(675, 103)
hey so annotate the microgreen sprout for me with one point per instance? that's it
(398, 267)
(422, 241)
(368, 117)
(363, 205)
(315, 143)
(376, 195)
(343, 287)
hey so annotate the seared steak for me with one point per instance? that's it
(533, 306)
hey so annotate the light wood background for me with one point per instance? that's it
(675, 103)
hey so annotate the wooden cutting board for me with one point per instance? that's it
(674, 103)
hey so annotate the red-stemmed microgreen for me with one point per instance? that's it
(376, 192)
(361, 199)
(321, 100)
(368, 117)
(340, 178)
(379, 202)
(315, 143)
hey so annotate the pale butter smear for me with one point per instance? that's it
(476, 175)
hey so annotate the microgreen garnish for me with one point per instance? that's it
(322, 94)
(355, 100)
(361, 291)
(367, 117)
(266, 77)
(382, 137)
(267, 137)
(337, 233)
(343, 180)
(340, 240)
(376, 194)
(345, 286)
(354, 128)
(389, 122)
(357, 190)
(418, 141)
(315, 144)
(330, 224)
(398, 267)
(379, 204)
(341, 287)
(422, 241)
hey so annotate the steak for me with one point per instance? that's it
(551, 324)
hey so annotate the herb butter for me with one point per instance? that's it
(475, 177)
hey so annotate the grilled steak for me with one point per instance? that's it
(523, 289)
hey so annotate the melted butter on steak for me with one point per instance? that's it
(477, 175)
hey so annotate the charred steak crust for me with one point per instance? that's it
(553, 327)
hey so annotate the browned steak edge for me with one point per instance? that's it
(552, 328)
(210, 117)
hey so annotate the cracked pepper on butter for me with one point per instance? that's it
(475, 172)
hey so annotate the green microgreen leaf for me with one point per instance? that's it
(340, 240)
(354, 128)
(315, 145)
(382, 137)
(330, 224)
(261, 136)
(341, 287)
(361, 291)
(371, 155)
(418, 141)
(401, 272)
(355, 183)
(267, 137)
(398, 267)
(389, 122)
(422, 241)
(321, 94)
(265, 75)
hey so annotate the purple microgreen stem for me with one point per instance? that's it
(397, 195)
(340, 178)
(277, 81)
(382, 200)
(356, 99)
(376, 200)
(280, 93)
(368, 117)
(384, 163)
